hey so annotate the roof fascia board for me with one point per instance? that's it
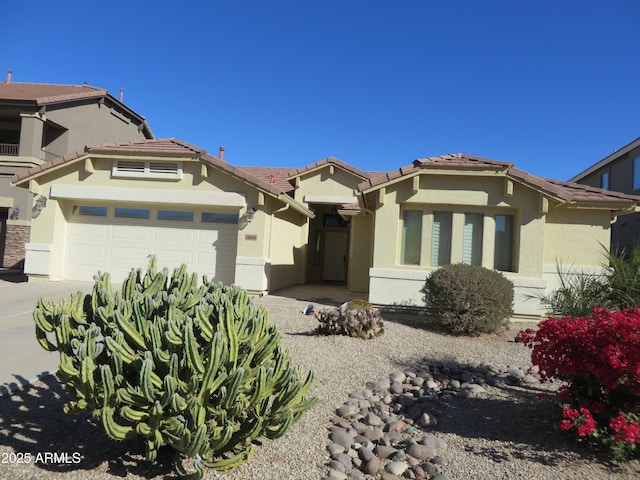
(287, 200)
(439, 171)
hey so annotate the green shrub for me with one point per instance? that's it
(468, 299)
(578, 294)
(357, 318)
(198, 368)
(623, 278)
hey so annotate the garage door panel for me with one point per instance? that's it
(129, 232)
(175, 235)
(119, 248)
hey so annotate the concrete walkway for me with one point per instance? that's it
(23, 361)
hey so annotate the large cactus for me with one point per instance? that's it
(196, 367)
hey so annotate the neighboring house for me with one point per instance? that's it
(620, 172)
(111, 206)
(40, 122)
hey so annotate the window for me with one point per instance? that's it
(176, 215)
(503, 250)
(411, 237)
(441, 239)
(124, 212)
(137, 169)
(604, 180)
(636, 173)
(472, 239)
(212, 217)
(90, 210)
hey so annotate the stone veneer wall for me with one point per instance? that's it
(14, 249)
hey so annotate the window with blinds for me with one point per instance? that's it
(503, 250)
(411, 237)
(441, 239)
(472, 239)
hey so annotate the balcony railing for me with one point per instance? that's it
(9, 149)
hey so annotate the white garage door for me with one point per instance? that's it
(117, 239)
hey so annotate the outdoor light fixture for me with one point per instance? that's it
(41, 202)
(15, 213)
(250, 214)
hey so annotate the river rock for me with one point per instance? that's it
(396, 468)
(421, 452)
(341, 437)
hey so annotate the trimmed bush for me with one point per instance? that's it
(197, 368)
(357, 318)
(468, 299)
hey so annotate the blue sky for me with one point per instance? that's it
(551, 85)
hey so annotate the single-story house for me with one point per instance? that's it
(110, 206)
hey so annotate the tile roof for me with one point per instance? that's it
(564, 191)
(45, 94)
(161, 147)
(272, 175)
(328, 161)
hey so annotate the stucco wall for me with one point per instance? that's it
(570, 234)
(576, 237)
(90, 124)
(322, 182)
(287, 247)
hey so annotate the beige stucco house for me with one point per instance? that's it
(40, 122)
(110, 206)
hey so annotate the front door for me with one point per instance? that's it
(336, 244)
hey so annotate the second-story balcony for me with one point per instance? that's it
(9, 149)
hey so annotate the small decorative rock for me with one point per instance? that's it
(397, 468)
(341, 437)
(373, 466)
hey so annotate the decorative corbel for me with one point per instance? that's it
(544, 204)
(416, 184)
(508, 187)
(88, 166)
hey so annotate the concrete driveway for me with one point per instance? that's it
(22, 360)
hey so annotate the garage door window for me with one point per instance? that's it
(90, 210)
(123, 212)
(175, 215)
(211, 217)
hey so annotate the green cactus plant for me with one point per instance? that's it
(196, 367)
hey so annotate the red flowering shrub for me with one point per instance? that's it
(598, 358)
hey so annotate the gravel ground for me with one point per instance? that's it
(506, 433)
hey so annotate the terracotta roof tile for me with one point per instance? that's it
(272, 175)
(164, 147)
(331, 161)
(44, 94)
(564, 191)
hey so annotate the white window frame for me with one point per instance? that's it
(636, 173)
